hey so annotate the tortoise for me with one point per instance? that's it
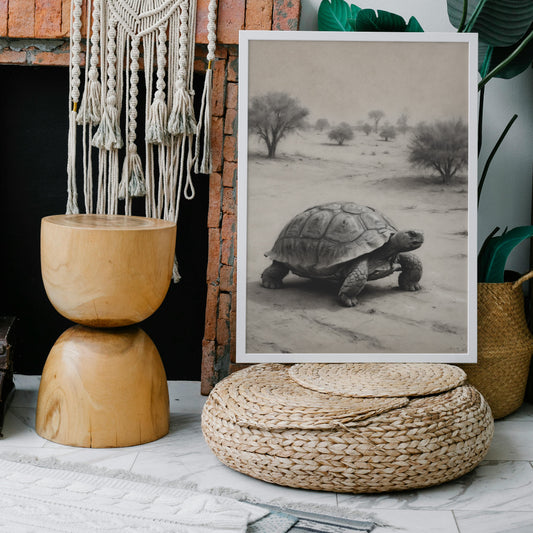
(346, 243)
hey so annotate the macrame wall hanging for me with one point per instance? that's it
(119, 34)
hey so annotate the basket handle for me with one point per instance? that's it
(523, 279)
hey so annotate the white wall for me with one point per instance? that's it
(507, 194)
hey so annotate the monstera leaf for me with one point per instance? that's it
(498, 22)
(493, 256)
(500, 55)
(336, 15)
(368, 20)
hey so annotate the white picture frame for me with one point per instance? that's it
(341, 77)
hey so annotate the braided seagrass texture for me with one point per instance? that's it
(504, 346)
(426, 442)
(378, 379)
(265, 397)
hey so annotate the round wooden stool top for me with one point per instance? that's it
(106, 270)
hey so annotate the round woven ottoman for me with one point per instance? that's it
(334, 428)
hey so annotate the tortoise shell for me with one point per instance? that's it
(331, 234)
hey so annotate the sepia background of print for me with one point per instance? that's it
(342, 81)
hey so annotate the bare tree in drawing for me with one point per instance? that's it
(376, 115)
(273, 115)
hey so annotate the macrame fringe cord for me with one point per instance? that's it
(182, 120)
(108, 135)
(203, 159)
(203, 164)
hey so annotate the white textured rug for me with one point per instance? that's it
(40, 498)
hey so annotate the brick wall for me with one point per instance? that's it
(35, 32)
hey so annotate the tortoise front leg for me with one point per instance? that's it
(353, 284)
(272, 276)
(411, 272)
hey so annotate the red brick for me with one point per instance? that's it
(229, 175)
(230, 20)
(222, 332)
(215, 200)
(226, 278)
(232, 98)
(286, 15)
(231, 122)
(230, 148)
(228, 200)
(227, 252)
(219, 88)
(11, 57)
(211, 309)
(217, 142)
(201, 21)
(228, 227)
(213, 262)
(224, 306)
(49, 59)
(4, 9)
(48, 15)
(233, 67)
(232, 332)
(209, 378)
(259, 15)
(21, 19)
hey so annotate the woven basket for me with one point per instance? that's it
(409, 444)
(505, 346)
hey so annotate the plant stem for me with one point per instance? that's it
(505, 62)
(492, 154)
(480, 120)
(475, 15)
(463, 18)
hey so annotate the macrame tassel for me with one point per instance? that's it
(90, 108)
(108, 136)
(72, 191)
(175, 272)
(156, 129)
(203, 142)
(181, 120)
(132, 177)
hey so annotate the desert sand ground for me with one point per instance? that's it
(305, 316)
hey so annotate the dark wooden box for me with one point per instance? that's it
(7, 350)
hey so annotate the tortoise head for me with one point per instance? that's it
(405, 241)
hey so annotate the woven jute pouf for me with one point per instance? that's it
(260, 422)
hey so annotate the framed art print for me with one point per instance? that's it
(357, 187)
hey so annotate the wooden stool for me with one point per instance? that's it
(103, 384)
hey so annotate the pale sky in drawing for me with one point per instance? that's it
(343, 80)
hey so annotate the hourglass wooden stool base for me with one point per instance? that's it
(103, 388)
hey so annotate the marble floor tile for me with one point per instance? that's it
(494, 522)
(493, 485)
(512, 441)
(26, 390)
(414, 522)
(18, 431)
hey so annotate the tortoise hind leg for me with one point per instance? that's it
(272, 276)
(411, 272)
(353, 284)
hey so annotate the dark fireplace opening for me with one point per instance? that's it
(33, 156)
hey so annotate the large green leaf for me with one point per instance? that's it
(334, 15)
(368, 20)
(499, 23)
(493, 256)
(518, 64)
(413, 25)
